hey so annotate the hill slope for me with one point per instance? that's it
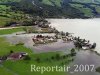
(56, 8)
(88, 1)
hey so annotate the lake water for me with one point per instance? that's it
(85, 28)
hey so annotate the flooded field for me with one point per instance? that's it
(85, 28)
(50, 47)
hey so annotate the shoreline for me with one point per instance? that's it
(50, 47)
(52, 24)
(84, 28)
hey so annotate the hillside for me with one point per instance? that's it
(18, 10)
(88, 1)
(44, 8)
(6, 1)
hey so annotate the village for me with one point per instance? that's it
(39, 44)
(43, 34)
(46, 33)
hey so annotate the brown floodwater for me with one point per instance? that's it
(85, 58)
(85, 28)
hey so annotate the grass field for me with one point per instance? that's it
(10, 31)
(4, 14)
(23, 67)
(6, 1)
(4, 71)
(3, 21)
(87, 1)
(97, 9)
(8, 15)
(86, 11)
(57, 2)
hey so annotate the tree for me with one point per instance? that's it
(57, 56)
(62, 33)
(64, 56)
(38, 59)
(73, 52)
(52, 57)
(67, 33)
(40, 0)
(27, 57)
(11, 52)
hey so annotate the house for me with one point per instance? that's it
(3, 58)
(17, 56)
(42, 39)
(0, 59)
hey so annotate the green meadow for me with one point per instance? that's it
(10, 31)
(57, 2)
(86, 11)
(7, 15)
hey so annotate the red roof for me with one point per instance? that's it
(15, 55)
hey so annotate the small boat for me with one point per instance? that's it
(93, 46)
